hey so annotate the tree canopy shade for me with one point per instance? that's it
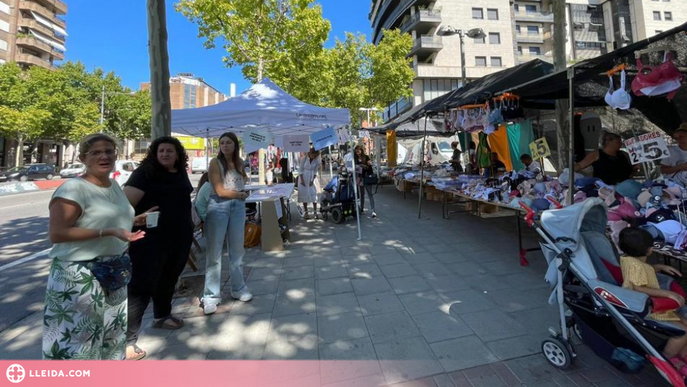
(263, 105)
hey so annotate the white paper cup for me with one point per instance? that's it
(152, 218)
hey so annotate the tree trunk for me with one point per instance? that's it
(560, 63)
(159, 70)
(20, 151)
(261, 69)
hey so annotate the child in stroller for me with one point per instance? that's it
(338, 197)
(641, 277)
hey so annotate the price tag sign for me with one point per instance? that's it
(647, 148)
(540, 148)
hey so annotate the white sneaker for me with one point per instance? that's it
(374, 215)
(243, 295)
(209, 309)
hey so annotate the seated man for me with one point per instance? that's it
(675, 166)
(530, 164)
(497, 167)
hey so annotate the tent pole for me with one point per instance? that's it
(355, 187)
(634, 134)
(422, 172)
(571, 119)
(207, 150)
(331, 159)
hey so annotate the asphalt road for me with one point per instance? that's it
(24, 263)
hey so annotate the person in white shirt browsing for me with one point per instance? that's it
(530, 164)
(675, 166)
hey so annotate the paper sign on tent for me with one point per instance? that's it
(324, 138)
(255, 139)
(297, 143)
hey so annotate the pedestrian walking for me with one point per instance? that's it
(307, 191)
(226, 218)
(366, 180)
(158, 261)
(85, 314)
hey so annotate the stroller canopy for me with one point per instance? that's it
(569, 222)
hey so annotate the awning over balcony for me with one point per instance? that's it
(49, 24)
(47, 40)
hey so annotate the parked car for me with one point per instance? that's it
(73, 170)
(122, 171)
(29, 172)
(199, 165)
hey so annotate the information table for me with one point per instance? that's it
(274, 202)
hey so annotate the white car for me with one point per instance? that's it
(199, 164)
(122, 171)
(73, 170)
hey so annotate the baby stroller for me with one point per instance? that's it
(338, 198)
(585, 276)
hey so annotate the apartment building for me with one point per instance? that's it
(32, 33)
(188, 91)
(517, 31)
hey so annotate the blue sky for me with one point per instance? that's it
(113, 35)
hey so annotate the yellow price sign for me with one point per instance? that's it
(540, 148)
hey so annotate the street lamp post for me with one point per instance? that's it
(475, 33)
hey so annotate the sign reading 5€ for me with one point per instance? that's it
(540, 148)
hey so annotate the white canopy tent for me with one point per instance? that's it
(263, 105)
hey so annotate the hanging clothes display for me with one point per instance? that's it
(653, 81)
(618, 99)
(483, 151)
(499, 143)
(520, 136)
(391, 148)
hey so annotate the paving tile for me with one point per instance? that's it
(489, 283)
(440, 326)
(258, 305)
(493, 325)
(464, 269)
(345, 326)
(304, 349)
(467, 301)
(409, 284)
(389, 258)
(424, 302)
(447, 283)
(434, 269)
(263, 286)
(332, 271)
(294, 288)
(265, 274)
(334, 286)
(515, 347)
(249, 345)
(391, 326)
(337, 304)
(365, 286)
(300, 272)
(295, 302)
(451, 256)
(419, 258)
(293, 328)
(379, 303)
(364, 270)
(462, 353)
(398, 270)
(505, 374)
(344, 360)
(424, 382)
(538, 320)
(298, 261)
(407, 359)
(443, 380)
(510, 301)
(492, 380)
(365, 381)
(178, 352)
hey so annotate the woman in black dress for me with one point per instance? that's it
(159, 259)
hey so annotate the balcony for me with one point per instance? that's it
(530, 38)
(59, 6)
(397, 108)
(524, 58)
(34, 43)
(426, 45)
(536, 17)
(394, 18)
(34, 25)
(32, 60)
(41, 10)
(422, 21)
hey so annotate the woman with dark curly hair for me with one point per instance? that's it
(159, 259)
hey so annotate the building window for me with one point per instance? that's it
(657, 15)
(495, 61)
(433, 88)
(532, 30)
(479, 40)
(668, 15)
(535, 50)
(516, 8)
(492, 14)
(477, 13)
(3, 45)
(517, 29)
(530, 8)
(519, 50)
(658, 32)
(494, 38)
(481, 61)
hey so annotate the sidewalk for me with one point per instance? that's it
(29, 186)
(423, 302)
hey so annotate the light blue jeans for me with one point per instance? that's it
(225, 221)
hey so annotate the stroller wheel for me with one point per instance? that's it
(556, 353)
(337, 215)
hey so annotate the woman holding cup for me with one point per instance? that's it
(85, 311)
(158, 261)
(226, 218)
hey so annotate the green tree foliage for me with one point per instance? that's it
(64, 104)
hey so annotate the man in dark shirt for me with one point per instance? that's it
(496, 168)
(455, 158)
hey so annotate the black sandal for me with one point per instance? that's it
(170, 322)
